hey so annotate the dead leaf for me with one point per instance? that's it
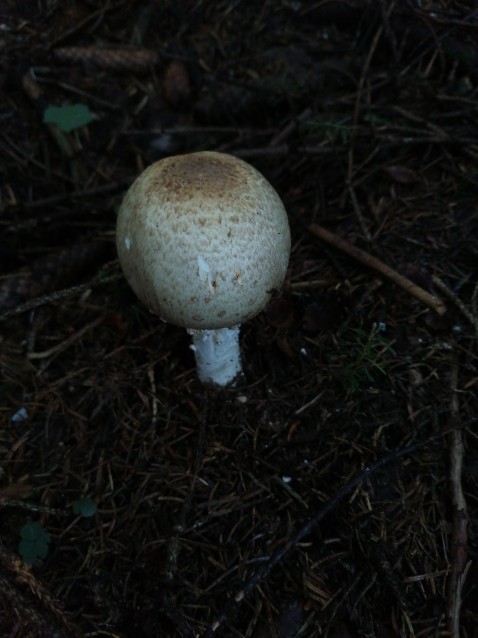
(402, 174)
(279, 313)
(177, 86)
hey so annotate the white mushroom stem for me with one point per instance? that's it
(218, 359)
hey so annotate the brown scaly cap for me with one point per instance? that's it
(203, 240)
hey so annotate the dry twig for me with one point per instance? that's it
(463, 308)
(372, 262)
(459, 561)
(53, 297)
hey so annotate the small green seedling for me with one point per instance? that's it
(85, 507)
(34, 543)
(68, 117)
(367, 358)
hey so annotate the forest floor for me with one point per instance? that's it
(333, 491)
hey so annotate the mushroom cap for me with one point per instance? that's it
(203, 240)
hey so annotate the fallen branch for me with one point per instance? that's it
(374, 263)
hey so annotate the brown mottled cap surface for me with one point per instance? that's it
(203, 240)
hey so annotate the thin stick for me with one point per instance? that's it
(459, 562)
(372, 262)
(63, 345)
(469, 314)
(58, 295)
(285, 133)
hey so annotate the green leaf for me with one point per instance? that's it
(34, 543)
(29, 531)
(34, 532)
(41, 549)
(68, 117)
(85, 507)
(28, 551)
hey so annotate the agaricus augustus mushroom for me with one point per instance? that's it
(203, 239)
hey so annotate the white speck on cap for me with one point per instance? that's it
(205, 274)
(203, 240)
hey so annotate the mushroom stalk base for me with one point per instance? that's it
(218, 359)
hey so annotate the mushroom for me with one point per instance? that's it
(203, 240)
